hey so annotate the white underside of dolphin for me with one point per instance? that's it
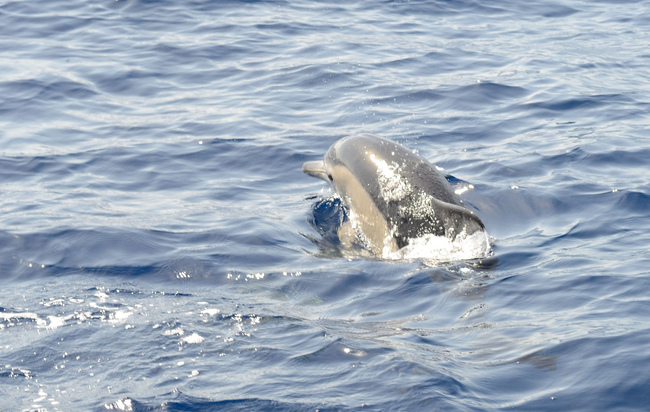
(396, 200)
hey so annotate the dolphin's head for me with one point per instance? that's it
(343, 167)
(347, 168)
(332, 164)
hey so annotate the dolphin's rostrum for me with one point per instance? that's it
(392, 194)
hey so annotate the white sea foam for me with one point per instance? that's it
(443, 249)
(211, 311)
(193, 338)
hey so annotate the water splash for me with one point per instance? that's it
(444, 249)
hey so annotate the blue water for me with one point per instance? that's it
(161, 249)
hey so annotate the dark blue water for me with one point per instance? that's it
(161, 249)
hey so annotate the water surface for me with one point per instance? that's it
(160, 247)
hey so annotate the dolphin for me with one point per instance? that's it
(392, 194)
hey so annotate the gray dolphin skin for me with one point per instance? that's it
(392, 194)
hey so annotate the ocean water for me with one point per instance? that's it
(161, 249)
